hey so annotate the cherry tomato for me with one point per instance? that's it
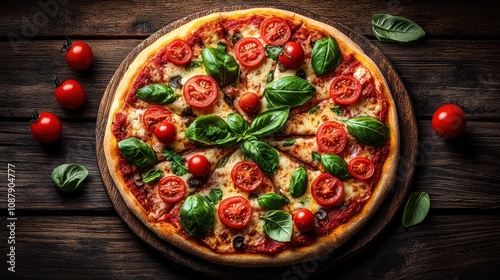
(327, 190)
(79, 55)
(304, 219)
(361, 168)
(246, 175)
(250, 52)
(46, 127)
(200, 91)
(179, 52)
(449, 121)
(275, 31)
(331, 137)
(166, 132)
(154, 115)
(249, 102)
(199, 166)
(69, 94)
(345, 90)
(292, 56)
(235, 212)
(171, 189)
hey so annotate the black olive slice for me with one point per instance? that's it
(187, 112)
(239, 242)
(138, 180)
(236, 37)
(194, 182)
(301, 74)
(175, 82)
(321, 214)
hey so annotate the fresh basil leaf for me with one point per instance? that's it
(337, 110)
(314, 109)
(416, 209)
(237, 124)
(270, 76)
(273, 52)
(136, 151)
(289, 91)
(316, 156)
(278, 225)
(222, 162)
(178, 162)
(298, 182)
(221, 66)
(325, 56)
(368, 130)
(152, 175)
(215, 196)
(194, 64)
(68, 177)
(269, 122)
(265, 156)
(197, 215)
(388, 28)
(272, 201)
(335, 165)
(288, 142)
(212, 130)
(157, 94)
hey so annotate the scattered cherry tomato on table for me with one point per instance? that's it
(79, 55)
(46, 127)
(69, 94)
(449, 121)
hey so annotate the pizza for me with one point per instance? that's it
(256, 137)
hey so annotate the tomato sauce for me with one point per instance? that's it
(236, 24)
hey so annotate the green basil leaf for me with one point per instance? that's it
(237, 124)
(325, 56)
(269, 122)
(221, 66)
(215, 196)
(270, 76)
(335, 165)
(278, 225)
(337, 110)
(68, 177)
(416, 209)
(194, 64)
(157, 94)
(178, 162)
(212, 130)
(298, 182)
(222, 162)
(152, 175)
(273, 52)
(265, 156)
(272, 201)
(289, 91)
(139, 153)
(197, 215)
(388, 28)
(314, 109)
(368, 130)
(316, 156)
(289, 142)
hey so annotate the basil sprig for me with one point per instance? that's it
(335, 165)
(368, 130)
(278, 225)
(214, 196)
(325, 56)
(68, 177)
(269, 122)
(152, 175)
(272, 201)
(265, 156)
(298, 182)
(221, 65)
(138, 152)
(273, 52)
(289, 91)
(388, 28)
(178, 162)
(157, 94)
(197, 215)
(416, 209)
(212, 130)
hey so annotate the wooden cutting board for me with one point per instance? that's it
(377, 224)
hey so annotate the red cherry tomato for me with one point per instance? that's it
(345, 90)
(179, 52)
(331, 137)
(249, 102)
(250, 52)
(199, 166)
(246, 175)
(292, 56)
(304, 219)
(327, 190)
(70, 94)
(166, 132)
(154, 115)
(46, 127)
(171, 189)
(449, 121)
(235, 212)
(361, 168)
(200, 91)
(275, 31)
(79, 55)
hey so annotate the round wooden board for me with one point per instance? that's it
(370, 231)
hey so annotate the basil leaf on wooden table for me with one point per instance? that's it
(157, 94)
(416, 209)
(325, 56)
(298, 182)
(68, 177)
(289, 91)
(271, 201)
(178, 162)
(138, 152)
(269, 122)
(335, 165)
(368, 130)
(197, 215)
(237, 124)
(221, 66)
(278, 225)
(212, 130)
(265, 156)
(388, 28)
(152, 175)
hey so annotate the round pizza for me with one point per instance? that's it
(255, 137)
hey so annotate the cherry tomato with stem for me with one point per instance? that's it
(292, 56)
(69, 94)
(46, 127)
(79, 55)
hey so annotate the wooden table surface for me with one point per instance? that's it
(80, 235)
